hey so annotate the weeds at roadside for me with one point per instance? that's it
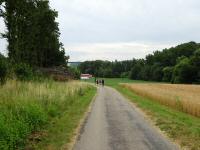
(27, 107)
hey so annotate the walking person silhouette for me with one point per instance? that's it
(102, 82)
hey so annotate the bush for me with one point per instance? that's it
(23, 72)
(3, 69)
(75, 72)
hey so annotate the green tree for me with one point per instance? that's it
(157, 73)
(167, 74)
(32, 33)
(3, 69)
(195, 61)
(184, 72)
(135, 72)
(146, 73)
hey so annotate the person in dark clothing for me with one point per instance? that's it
(97, 82)
(102, 82)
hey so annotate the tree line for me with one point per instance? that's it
(180, 64)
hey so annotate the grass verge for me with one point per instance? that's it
(33, 114)
(61, 129)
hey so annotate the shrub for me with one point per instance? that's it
(23, 72)
(75, 73)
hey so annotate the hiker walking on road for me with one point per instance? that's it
(102, 82)
(97, 82)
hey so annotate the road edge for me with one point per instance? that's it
(76, 134)
(148, 118)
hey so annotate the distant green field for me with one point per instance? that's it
(113, 82)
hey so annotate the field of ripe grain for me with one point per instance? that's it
(184, 98)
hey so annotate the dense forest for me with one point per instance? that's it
(32, 34)
(180, 64)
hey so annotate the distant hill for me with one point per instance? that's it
(73, 64)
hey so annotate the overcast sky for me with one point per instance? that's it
(123, 29)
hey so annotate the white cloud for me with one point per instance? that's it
(112, 51)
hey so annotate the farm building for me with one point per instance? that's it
(86, 76)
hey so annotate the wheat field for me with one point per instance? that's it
(184, 98)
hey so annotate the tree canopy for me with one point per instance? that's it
(32, 33)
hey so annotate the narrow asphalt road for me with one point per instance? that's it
(114, 124)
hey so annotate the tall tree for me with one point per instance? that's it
(32, 33)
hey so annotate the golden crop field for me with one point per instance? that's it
(185, 98)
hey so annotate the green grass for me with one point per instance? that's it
(38, 115)
(60, 130)
(183, 128)
(115, 81)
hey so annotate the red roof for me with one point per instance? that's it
(86, 75)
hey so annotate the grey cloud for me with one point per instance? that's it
(129, 20)
(151, 22)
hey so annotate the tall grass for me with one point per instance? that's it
(27, 106)
(185, 98)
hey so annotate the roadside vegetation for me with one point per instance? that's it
(36, 111)
(182, 127)
(41, 113)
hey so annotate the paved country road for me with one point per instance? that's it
(114, 124)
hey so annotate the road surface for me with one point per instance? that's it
(114, 124)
